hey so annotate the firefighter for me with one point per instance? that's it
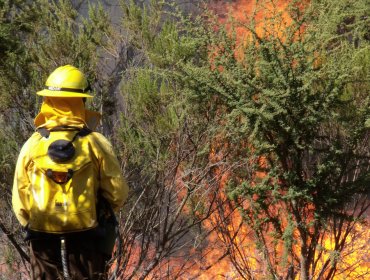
(64, 171)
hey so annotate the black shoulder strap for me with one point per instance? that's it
(44, 132)
(84, 131)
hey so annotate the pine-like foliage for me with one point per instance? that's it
(281, 103)
(248, 135)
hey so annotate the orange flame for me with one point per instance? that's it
(228, 252)
(353, 263)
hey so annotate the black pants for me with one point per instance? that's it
(84, 260)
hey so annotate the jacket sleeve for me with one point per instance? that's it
(113, 185)
(21, 186)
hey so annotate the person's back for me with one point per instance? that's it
(62, 171)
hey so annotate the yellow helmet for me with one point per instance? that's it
(66, 81)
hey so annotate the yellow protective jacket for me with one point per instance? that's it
(46, 206)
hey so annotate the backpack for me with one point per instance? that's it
(64, 181)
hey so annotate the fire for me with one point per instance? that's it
(246, 10)
(354, 263)
(270, 19)
(231, 249)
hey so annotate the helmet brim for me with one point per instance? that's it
(54, 93)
